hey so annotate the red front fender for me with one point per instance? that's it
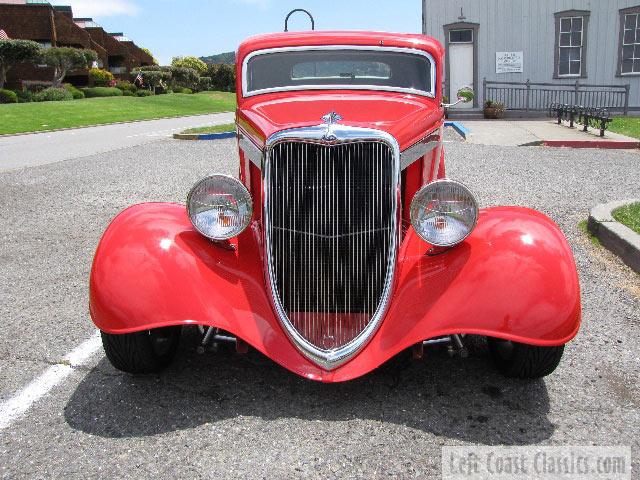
(514, 277)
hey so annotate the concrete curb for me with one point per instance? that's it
(112, 123)
(203, 136)
(458, 127)
(615, 236)
(591, 144)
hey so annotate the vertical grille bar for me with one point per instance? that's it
(330, 228)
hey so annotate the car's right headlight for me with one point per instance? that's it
(219, 207)
(444, 212)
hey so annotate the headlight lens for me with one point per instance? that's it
(444, 212)
(219, 207)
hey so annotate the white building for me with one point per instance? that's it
(553, 42)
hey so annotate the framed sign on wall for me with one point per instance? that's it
(508, 62)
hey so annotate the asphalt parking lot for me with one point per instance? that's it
(227, 416)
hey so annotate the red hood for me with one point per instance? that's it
(406, 117)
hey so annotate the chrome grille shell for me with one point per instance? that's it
(340, 135)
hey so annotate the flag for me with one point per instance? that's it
(3, 35)
(138, 79)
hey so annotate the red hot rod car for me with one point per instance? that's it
(342, 242)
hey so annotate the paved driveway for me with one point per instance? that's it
(228, 416)
(34, 149)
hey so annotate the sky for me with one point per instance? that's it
(172, 27)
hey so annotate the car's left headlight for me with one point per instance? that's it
(444, 212)
(219, 206)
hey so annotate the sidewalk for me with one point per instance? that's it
(517, 132)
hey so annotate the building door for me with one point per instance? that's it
(461, 64)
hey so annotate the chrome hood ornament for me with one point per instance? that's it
(330, 119)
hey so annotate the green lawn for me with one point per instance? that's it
(227, 127)
(629, 215)
(629, 126)
(32, 117)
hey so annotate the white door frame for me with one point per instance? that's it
(461, 26)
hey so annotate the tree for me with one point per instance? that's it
(15, 51)
(223, 77)
(190, 62)
(148, 52)
(184, 77)
(64, 59)
(152, 75)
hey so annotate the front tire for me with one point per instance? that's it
(147, 351)
(520, 360)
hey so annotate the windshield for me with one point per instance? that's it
(339, 68)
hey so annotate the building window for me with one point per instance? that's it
(629, 48)
(461, 36)
(571, 44)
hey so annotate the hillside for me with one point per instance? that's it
(227, 57)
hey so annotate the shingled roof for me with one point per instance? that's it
(55, 26)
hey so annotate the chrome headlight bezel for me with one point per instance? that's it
(240, 195)
(428, 189)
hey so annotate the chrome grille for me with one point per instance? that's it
(330, 235)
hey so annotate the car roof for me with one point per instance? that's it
(338, 37)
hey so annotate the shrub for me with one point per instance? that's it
(184, 77)
(101, 78)
(126, 86)
(182, 90)
(7, 96)
(204, 83)
(102, 92)
(144, 93)
(190, 62)
(223, 77)
(24, 97)
(127, 93)
(54, 94)
(77, 94)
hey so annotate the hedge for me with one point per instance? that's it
(77, 94)
(54, 95)
(7, 96)
(24, 97)
(101, 92)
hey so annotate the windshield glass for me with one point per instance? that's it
(376, 69)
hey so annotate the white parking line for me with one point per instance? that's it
(16, 406)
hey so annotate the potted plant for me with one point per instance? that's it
(489, 111)
(493, 109)
(445, 100)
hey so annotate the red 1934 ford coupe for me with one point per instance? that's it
(342, 242)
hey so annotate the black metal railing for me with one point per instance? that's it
(530, 96)
(587, 116)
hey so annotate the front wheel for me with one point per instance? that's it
(147, 351)
(520, 360)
